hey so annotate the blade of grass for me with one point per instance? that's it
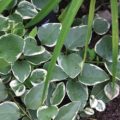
(66, 24)
(4, 4)
(115, 37)
(43, 13)
(89, 31)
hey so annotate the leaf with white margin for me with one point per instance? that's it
(5, 71)
(26, 10)
(48, 33)
(34, 96)
(3, 63)
(108, 66)
(31, 48)
(47, 113)
(37, 76)
(76, 37)
(70, 64)
(100, 106)
(93, 101)
(21, 70)
(101, 26)
(9, 111)
(58, 73)
(77, 92)
(111, 92)
(68, 111)
(98, 92)
(11, 47)
(58, 94)
(40, 3)
(39, 59)
(89, 111)
(3, 91)
(18, 88)
(102, 50)
(92, 75)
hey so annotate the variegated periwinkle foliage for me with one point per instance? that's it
(24, 60)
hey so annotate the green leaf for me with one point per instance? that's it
(31, 48)
(76, 37)
(21, 70)
(100, 106)
(4, 4)
(12, 4)
(26, 10)
(3, 63)
(3, 23)
(48, 33)
(58, 73)
(9, 111)
(5, 71)
(43, 13)
(40, 4)
(102, 50)
(101, 26)
(58, 94)
(108, 66)
(11, 47)
(18, 88)
(46, 113)
(37, 76)
(39, 59)
(110, 93)
(33, 33)
(3, 91)
(34, 96)
(70, 64)
(98, 92)
(68, 111)
(92, 75)
(77, 92)
(89, 111)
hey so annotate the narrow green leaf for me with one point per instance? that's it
(75, 5)
(89, 31)
(4, 4)
(43, 13)
(115, 37)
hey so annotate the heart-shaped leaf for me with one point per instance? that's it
(48, 33)
(9, 111)
(101, 26)
(11, 47)
(92, 75)
(102, 50)
(47, 113)
(26, 10)
(58, 94)
(77, 92)
(3, 91)
(34, 96)
(58, 73)
(37, 76)
(31, 48)
(70, 64)
(76, 37)
(68, 112)
(21, 70)
(39, 59)
(111, 92)
(18, 88)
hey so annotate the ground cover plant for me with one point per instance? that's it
(48, 70)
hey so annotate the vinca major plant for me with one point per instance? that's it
(48, 71)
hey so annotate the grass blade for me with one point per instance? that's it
(66, 24)
(43, 13)
(89, 31)
(4, 4)
(115, 37)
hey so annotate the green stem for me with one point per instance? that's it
(66, 24)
